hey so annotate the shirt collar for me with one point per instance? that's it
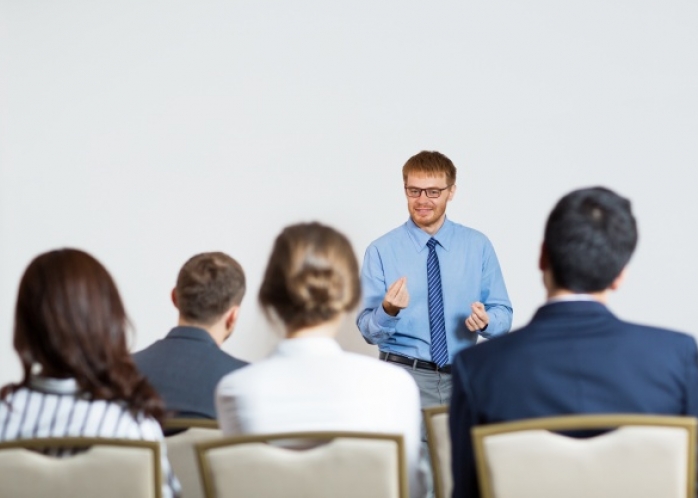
(54, 386)
(308, 346)
(566, 298)
(420, 237)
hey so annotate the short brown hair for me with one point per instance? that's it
(312, 276)
(208, 285)
(70, 319)
(432, 163)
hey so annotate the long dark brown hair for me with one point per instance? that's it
(70, 320)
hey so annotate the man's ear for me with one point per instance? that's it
(543, 259)
(173, 296)
(544, 267)
(452, 192)
(231, 317)
(618, 281)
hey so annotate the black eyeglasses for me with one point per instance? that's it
(432, 193)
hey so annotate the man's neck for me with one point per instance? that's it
(432, 229)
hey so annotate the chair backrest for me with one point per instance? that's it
(305, 464)
(645, 456)
(109, 468)
(182, 454)
(439, 442)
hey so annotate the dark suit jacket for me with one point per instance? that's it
(184, 368)
(574, 357)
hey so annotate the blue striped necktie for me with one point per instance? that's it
(437, 324)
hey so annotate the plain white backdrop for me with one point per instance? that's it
(146, 131)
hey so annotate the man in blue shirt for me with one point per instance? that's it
(425, 300)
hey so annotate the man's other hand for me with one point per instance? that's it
(397, 297)
(478, 319)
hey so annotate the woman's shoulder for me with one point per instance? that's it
(27, 411)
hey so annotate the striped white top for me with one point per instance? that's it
(55, 408)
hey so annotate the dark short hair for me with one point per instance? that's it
(208, 285)
(311, 277)
(431, 163)
(70, 319)
(589, 238)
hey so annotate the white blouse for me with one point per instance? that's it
(310, 384)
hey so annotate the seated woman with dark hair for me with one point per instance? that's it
(79, 379)
(309, 383)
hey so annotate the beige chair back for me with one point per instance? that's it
(645, 457)
(305, 465)
(439, 442)
(110, 468)
(182, 454)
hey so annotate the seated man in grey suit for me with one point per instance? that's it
(185, 366)
(574, 356)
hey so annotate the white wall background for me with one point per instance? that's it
(145, 131)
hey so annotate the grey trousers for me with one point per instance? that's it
(434, 389)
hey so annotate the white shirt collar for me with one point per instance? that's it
(571, 298)
(54, 386)
(312, 346)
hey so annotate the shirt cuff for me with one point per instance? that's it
(384, 320)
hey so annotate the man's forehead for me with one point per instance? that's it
(420, 178)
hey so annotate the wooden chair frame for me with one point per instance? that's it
(186, 423)
(436, 471)
(207, 477)
(582, 422)
(189, 477)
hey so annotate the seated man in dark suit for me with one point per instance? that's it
(185, 366)
(574, 356)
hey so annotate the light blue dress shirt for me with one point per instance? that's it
(470, 272)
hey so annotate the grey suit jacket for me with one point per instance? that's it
(184, 368)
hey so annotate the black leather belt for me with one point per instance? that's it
(414, 363)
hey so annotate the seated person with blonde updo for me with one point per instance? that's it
(79, 379)
(308, 383)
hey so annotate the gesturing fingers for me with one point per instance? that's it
(396, 288)
(397, 297)
(478, 309)
(478, 319)
(472, 324)
(401, 298)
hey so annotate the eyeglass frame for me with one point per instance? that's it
(426, 191)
